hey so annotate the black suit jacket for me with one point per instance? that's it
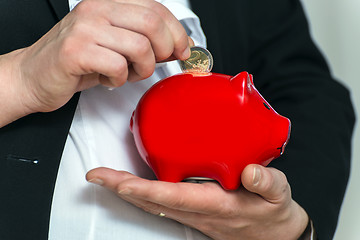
(269, 39)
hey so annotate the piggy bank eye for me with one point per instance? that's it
(267, 106)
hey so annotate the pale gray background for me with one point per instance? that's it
(335, 26)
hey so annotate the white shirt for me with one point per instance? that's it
(100, 136)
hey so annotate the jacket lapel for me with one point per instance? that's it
(60, 7)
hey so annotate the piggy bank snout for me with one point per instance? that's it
(282, 135)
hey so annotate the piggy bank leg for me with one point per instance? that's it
(230, 181)
(169, 174)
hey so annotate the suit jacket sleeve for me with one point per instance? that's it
(271, 40)
(31, 147)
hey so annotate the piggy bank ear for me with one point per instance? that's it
(242, 83)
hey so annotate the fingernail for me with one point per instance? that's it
(125, 191)
(191, 42)
(96, 181)
(256, 176)
(186, 54)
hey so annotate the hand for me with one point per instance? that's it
(262, 209)
(100, 42)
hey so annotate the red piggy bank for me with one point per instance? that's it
(207, 125)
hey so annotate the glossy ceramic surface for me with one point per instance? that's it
(207, 125)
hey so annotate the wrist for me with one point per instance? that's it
(12, 96)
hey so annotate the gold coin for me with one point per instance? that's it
(200, 61)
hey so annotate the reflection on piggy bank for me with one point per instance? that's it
(207, 125)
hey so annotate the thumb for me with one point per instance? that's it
(269, 183)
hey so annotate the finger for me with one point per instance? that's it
(131, 15)
(96, 59)
(107, 177)
(136, 48)
(88, 81)
(155, 21)
(134, 76)
(191, 42)
(269, 183)
(207, 198)
(146, 22)
(191, 219)
(110, 179)
(186, 197)
(172, 57)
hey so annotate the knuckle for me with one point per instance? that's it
(182, 40)
(278, 185)
(284, 185)
(146, 72)
(269, 183)
(79, 26)
(67, 51)
(164, 53)
(120, 73)
(142, 45)
(79, 32)
(148, 69)
(152, 22)
(68, 47)
(116, 76)
(121, 66)
(85, 7)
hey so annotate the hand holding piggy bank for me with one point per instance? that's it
(207, 125)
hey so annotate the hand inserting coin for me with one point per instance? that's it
(200, 61)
